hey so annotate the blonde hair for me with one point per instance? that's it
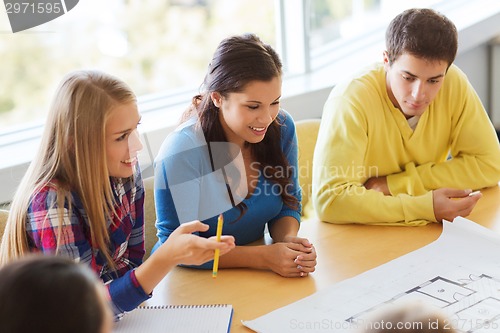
(72, 151)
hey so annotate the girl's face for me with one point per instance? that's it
(122, 140)
(246, 115)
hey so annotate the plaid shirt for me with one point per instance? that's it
(126, 233)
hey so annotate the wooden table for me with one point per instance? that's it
(343, 252)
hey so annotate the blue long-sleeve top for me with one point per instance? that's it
(181, 168)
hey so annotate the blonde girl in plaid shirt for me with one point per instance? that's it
(82, 196)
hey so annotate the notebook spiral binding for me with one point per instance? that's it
(201, 306)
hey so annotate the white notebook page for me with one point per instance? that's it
(177, 319)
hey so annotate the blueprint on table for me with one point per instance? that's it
(459, 273)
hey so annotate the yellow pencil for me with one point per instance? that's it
(220, 222)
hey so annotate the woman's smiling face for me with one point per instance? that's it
(246, 115)
(122, 140)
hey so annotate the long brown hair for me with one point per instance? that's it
(72, 152)
(237, 61)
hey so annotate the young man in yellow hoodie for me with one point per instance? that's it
(407, 140)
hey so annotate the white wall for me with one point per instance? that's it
(495, 82)
(476, 65)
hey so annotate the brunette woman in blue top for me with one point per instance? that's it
(235, 132)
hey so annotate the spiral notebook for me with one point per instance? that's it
(214, 318)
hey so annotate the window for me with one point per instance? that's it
(154, 45)
(332, 20)
(328, 30)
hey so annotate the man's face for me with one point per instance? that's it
(412, 83)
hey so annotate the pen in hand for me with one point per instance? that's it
(220, 222)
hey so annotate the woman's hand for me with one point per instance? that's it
(306, 261)
(182, 247)
(294, 257)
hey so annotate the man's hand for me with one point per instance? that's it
(378, 184)
(450, 203)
